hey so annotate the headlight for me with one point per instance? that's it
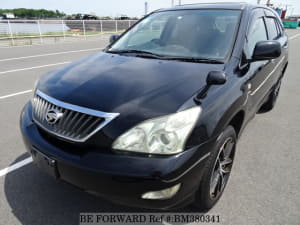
(163, 135)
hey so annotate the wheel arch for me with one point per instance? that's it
(284, 68)
(234, 118)
(237, 122)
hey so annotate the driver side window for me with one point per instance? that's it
(256, 33)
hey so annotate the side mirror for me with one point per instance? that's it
(266, 50)
(213, 78)
(113, 38)
(216, 78)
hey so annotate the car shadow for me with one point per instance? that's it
(36, 198)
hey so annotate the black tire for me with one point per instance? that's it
(270, 104)
(205, 197)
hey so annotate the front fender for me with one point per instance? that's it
(218, 109)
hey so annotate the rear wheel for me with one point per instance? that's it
(217, 171)
(270, 104)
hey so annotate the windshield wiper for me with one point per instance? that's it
(194, 59)
(140, 53)
(137, 52)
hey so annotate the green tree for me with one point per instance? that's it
(33, 13)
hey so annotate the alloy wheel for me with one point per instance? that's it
(222, 168)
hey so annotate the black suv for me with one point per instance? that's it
(153, 120)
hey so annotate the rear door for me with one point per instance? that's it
(276, 32)
(259, 71)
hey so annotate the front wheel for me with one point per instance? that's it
(217, 170)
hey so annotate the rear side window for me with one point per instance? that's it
(272, 28)
(256, 33)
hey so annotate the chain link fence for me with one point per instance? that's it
(28, 32)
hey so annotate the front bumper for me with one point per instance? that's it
(122, 178)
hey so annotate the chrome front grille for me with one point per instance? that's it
(68, 121)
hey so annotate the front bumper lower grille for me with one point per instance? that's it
(68, 121)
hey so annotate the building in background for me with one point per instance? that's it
(8, 16)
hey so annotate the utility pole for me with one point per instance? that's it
(258, 2)
(146, 8)
(172, 3)
(179, 2)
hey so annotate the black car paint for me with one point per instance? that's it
(139, 89)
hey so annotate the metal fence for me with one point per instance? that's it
(16, 32)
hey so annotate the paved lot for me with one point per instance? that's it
(263, 189)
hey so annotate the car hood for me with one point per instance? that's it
(127, 84)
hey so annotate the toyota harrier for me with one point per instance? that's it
(153, 120)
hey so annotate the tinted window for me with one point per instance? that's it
(272, 28)
(183, 33)
(256, 33)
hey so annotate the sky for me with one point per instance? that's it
(121, 7)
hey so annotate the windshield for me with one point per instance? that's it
(203, 34)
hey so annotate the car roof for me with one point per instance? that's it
(218, 5)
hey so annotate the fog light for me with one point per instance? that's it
(162, 194)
